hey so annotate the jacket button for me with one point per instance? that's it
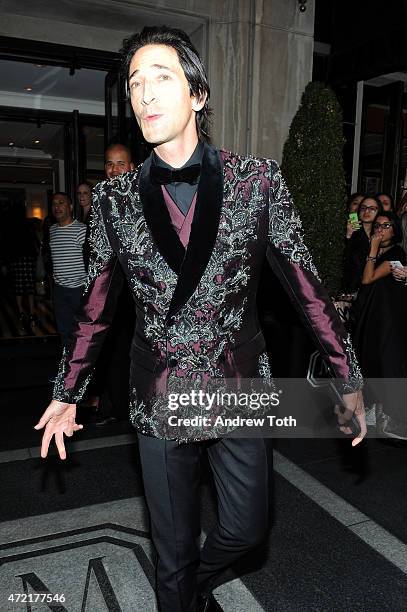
(172, 362)
(221, 321)
(171, 320)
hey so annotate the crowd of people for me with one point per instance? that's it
(375, 282)
(56, 252)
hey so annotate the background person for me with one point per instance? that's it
(107, 394)
(387, 201)
(117, 160)
(112, 370)
(380, 334)
(353, 204)
(84, 198)
(357, 247)
(402, 212)
(67, 237)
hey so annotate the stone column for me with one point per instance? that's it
(259, 56)
(282, 67)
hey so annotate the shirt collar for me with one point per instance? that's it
(196, 158)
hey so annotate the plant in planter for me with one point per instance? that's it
(313, 169)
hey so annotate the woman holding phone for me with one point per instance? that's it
(357, 246)
(353, 223)
(380, 333)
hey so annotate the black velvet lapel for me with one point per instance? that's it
(204, 229)
(159, 221)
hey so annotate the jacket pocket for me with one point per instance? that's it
(143, 357)
(243, 360)
(250, 349)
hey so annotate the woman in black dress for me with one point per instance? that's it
(357, 245)
(380, 334)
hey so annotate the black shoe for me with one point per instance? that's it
(207, 603)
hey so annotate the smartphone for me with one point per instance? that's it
(396, 264)
(354, 220)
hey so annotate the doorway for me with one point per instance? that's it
(380, 162)
(59, 107)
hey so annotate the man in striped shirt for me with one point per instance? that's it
(66, 242)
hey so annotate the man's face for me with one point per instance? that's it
(61, 208)
(159, 93)
(117, 161)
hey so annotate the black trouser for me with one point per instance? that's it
(171, 474)
(66, 304)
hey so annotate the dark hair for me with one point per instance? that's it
(387, 196)
(63, 193)
(372, 197)
(353, 197)
(395, 221)
(189, 59)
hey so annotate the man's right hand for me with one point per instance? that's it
(58, 419)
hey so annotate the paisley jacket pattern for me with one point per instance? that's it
(196, 318)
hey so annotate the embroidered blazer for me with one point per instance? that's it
(196, 307)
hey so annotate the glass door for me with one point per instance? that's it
(115, 108)
(382, 121)
(74, 154)
(120, 122)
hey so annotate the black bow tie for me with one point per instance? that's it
(163, 176)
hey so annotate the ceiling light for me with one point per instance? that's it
(11, 144)
(36, 142)
(28, 88)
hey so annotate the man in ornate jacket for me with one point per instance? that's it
(190, 229)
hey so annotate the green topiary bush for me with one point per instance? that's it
(313, 169)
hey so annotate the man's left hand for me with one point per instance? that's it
(352, 406)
